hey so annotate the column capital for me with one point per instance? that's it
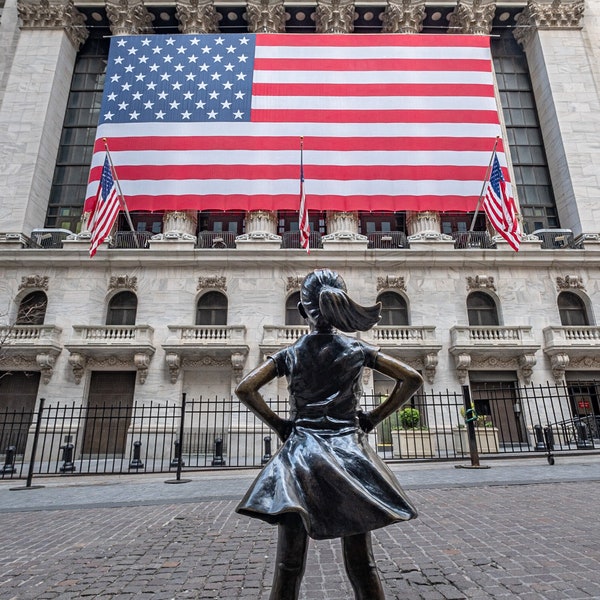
(265, 16)
(335, 16)
(548, 15)
(472, 17)
(403, 16)
(197, 16)
(128, 17)
(54, 14)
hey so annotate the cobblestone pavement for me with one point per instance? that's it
(521, 529)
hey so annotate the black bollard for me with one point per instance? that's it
(67, 456)
(218, 460)
(540, 444)
(136, 462)
(549, 441)
(9, 461)
(583, 440)
(267, 455)
(175, 460)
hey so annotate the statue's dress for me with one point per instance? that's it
(326, 471)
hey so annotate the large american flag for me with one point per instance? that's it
(390, 122)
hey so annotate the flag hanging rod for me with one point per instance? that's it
(122, 198)
(485, 181)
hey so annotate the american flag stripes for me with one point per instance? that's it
(105, 208)
(500, 207)
(390, 122)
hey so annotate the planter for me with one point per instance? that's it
(487, 440)
(413, 443)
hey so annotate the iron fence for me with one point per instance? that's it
(220, 433)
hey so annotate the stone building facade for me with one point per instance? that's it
(176, 315)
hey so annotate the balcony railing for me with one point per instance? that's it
(571, 336)
(387, 240)
(473, 240)
(217, 240)
(491, 336)
(283, 335)
(101, 335)
(30, 335)
(291, 239)
(557, 239)
(387, 334)
(206, 335)
(124, 240)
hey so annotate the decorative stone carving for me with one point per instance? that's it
(569, 282)
(548, 15)
(197, 16)
(38, 282)
(77, 362)
(294, 283)
(215, 282)
(430, 363)
(128, 17)
(265, 16)
(480, 282)
(238, 360)
(335, 16)
(206, 361)
(391, 282)
(261, 225)
(173, 361)
(472, 17)
(123, 282)
(526, 364)
(179, 225)
(343, 226)
(54, 14)
(463, 363)
(403, 16)
(424, 222)
(142, 362)
(45, 362)
(559, 363)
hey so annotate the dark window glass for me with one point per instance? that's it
(292, 314)
(394, 310)
(122, 309)
(32, 310)
(481, 310)
(212, 309)
(572, 310)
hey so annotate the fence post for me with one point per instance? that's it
(218, 460)
(67, 456)
(34, 445)
(9, 461)
(136, 461)
(267, 455)
(474, 453)
(179, 447)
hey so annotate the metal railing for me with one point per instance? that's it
(291, 239)
(473, 239)
(217, 240)
(213, 432)
(387, 240)
(130, 240)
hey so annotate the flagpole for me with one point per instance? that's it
(485, 181)
(124, 204)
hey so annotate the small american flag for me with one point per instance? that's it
(211, 121)
(499, 207)
(105, 208)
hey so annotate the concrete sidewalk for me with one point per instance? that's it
(520, 529)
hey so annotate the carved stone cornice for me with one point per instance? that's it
(128, 17)
(548, 15)
(197, 16)
(481, 282)
(214, 283)
(54, 14)
(38, 282)
(294, 283)
(403, 16)
(569, 282)
(122, 282)
(265, 16)
(335, 16)
(472, 17)
(391, 282)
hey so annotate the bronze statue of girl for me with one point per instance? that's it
(326, 481)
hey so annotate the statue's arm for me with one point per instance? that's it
(408, 381)
(248, 393)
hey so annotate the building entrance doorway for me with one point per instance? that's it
(108, 414)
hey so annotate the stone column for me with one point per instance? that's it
(425, 225)
(33, 108)
(261, 231)
(403, 16)
(265, 16)
(342, 232)
(197, 16)
(563, 65)
(472, 17)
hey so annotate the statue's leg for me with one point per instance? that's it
(361, 568)
(292, 545)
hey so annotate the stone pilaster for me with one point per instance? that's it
(128, 17)
(265, 16)
(472, 17)
(342, 228)
(403, 16)
(197, 16)
(33, 108)
(548, 15)
(261, 230)
(335, 16)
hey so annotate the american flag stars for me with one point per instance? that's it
(193, 78)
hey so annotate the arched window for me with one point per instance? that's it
(122, 309)
(572, 310)
(394, 310)
(212, 309)
(482, 310)
(32, 310)
(292, 314)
